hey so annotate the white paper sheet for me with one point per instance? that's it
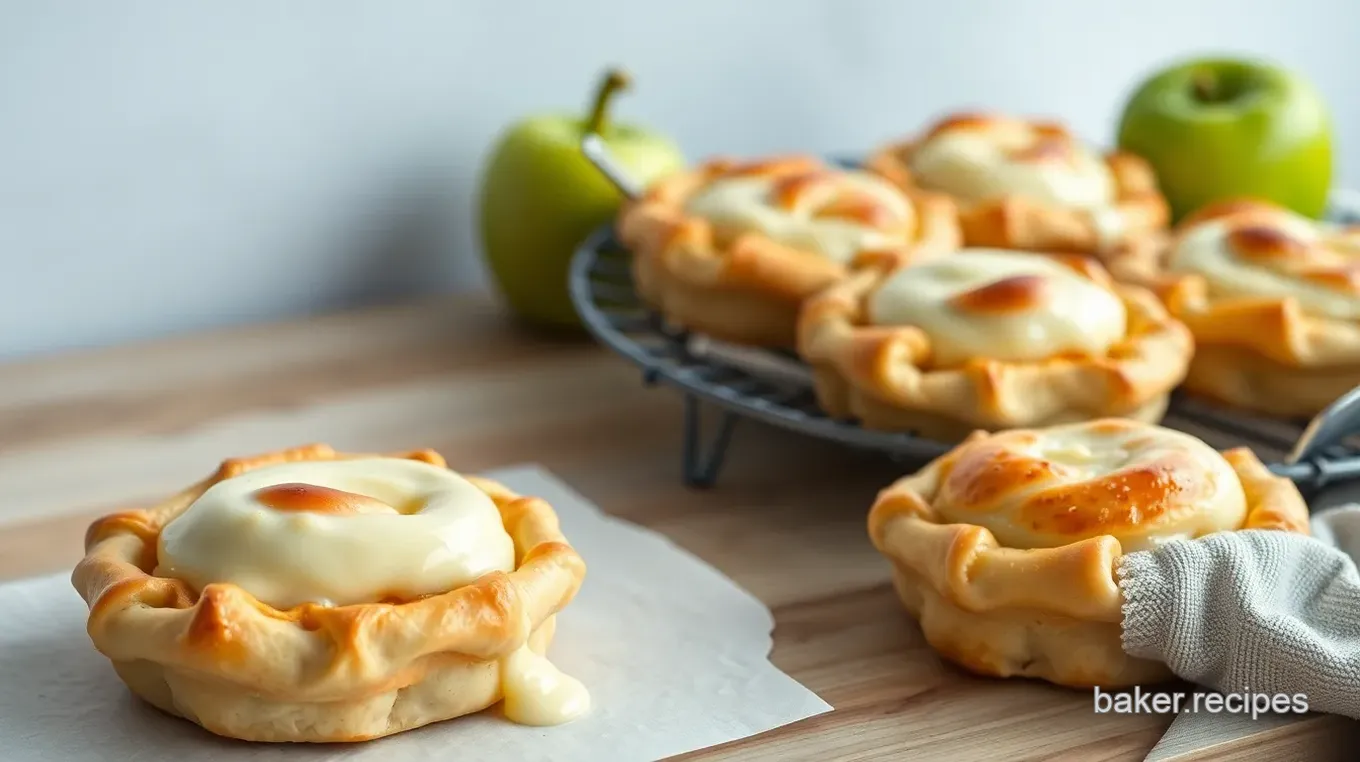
(674, 655)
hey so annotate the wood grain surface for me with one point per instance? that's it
(87, 433)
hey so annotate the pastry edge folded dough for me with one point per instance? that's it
(747, 291)
(1051, 613)
(242, 669)
(872, 373)
(1263, 354)
(1017, 222)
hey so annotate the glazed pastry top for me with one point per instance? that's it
(1142, 484)
(808, 206)
(982, 158)
(1002, 305)
(338, 532)
(1249, 249)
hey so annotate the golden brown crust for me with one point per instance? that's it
(1261, 353)
(313, 498)
(882, 374)
(1053, 613)
(243, 669)
(744, 287)
(1018, 222)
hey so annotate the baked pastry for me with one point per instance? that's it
(308, 595)
(990, 339)
(1273, 300)
(731, 249)
(1006, 548)
(1024, 184)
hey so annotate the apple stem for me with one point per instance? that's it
(615, 81)
(1206, 85)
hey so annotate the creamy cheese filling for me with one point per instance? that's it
(537, 693)
(356, 531)
(974, 166)
(1053, 310)
(1188, 473)
(743, 204)
(415, 529)
(1111, 226)
(1205, 250)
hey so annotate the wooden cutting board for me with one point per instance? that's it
(87, 433)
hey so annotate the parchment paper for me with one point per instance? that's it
(674, 655)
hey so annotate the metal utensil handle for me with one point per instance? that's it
(1336, 422)
(597, 152)
(758, 363)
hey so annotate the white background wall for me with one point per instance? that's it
(168, 166)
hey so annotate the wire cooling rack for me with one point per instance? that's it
(773, 389)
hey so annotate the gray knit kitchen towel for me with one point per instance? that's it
(1255, 611)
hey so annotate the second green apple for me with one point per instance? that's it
(540, 196)
(1219, 128)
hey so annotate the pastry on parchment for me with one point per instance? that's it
(310, 595)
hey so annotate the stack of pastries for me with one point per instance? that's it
(994, 272)
(733, 249)
(995, 282)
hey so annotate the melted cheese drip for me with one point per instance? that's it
(741, 205)
(1076, 315)
(1083, 452)
(536, 693)
(1205, 251)
(976, 166)
(436, 532)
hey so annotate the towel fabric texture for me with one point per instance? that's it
(1254, 611)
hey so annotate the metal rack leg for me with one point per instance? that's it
(702, 463)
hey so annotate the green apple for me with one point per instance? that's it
(1217, 127)
(540, 197)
